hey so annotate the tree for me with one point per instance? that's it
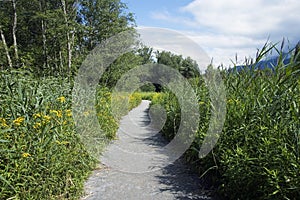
(102, 19)
(53, 37)
(5, 31)
(5, 48)
(146, 53)
(189, 68)
(186, 66)
(119, 67)
(14, 30)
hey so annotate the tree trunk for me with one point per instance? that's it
(14, 30)
(61, 62)
(6, 48)
(69, 45)
(43, 26)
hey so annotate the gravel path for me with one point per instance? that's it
(131, 167)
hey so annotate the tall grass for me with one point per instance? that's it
(257, 155)
(41, 155)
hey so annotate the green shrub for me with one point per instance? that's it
(149, 95)
(134, 100)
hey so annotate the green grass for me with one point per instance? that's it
(257, 155)
(148, 95)
(41, 155)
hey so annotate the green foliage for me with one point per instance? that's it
(172, 107)
(41, 155)
(257, 155)
(54, 37)
(118, 68)
(149, 95)
(148, 88)
(102, 19)
(259, 150)
(103, 107)
(186, 66)
(134, 100)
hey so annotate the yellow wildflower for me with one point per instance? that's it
(201, 103)
(62, 99)
(230, 101)
(69, 113)
(25, 155)
(3, 122)
(47, 118)
(58, 113)
(62, 142)
(233, 101)
(37, 115)
(18, 121)
(53, 111)
(37, 125)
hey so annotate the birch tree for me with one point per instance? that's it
(5, 48)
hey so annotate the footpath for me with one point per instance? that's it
(129, 171)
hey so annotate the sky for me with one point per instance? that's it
(227, 30)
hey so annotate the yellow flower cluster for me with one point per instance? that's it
(18, 121)
(62, 99)
(25, 155)
(37, 115)
(42, 119)
(47, 118)
(58, 113)
(3, 122)
(69, 113)
(37, 125)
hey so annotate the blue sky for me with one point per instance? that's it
(224, 28)
(145, 11)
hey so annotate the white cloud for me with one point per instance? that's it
(173, 41)
(227, 27)
(256, 18)
(223, 48)
(167, 16)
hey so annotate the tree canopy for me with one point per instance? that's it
(53, 37)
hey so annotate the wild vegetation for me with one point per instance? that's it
(42, 156)
(43, 44)
(257, 155)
